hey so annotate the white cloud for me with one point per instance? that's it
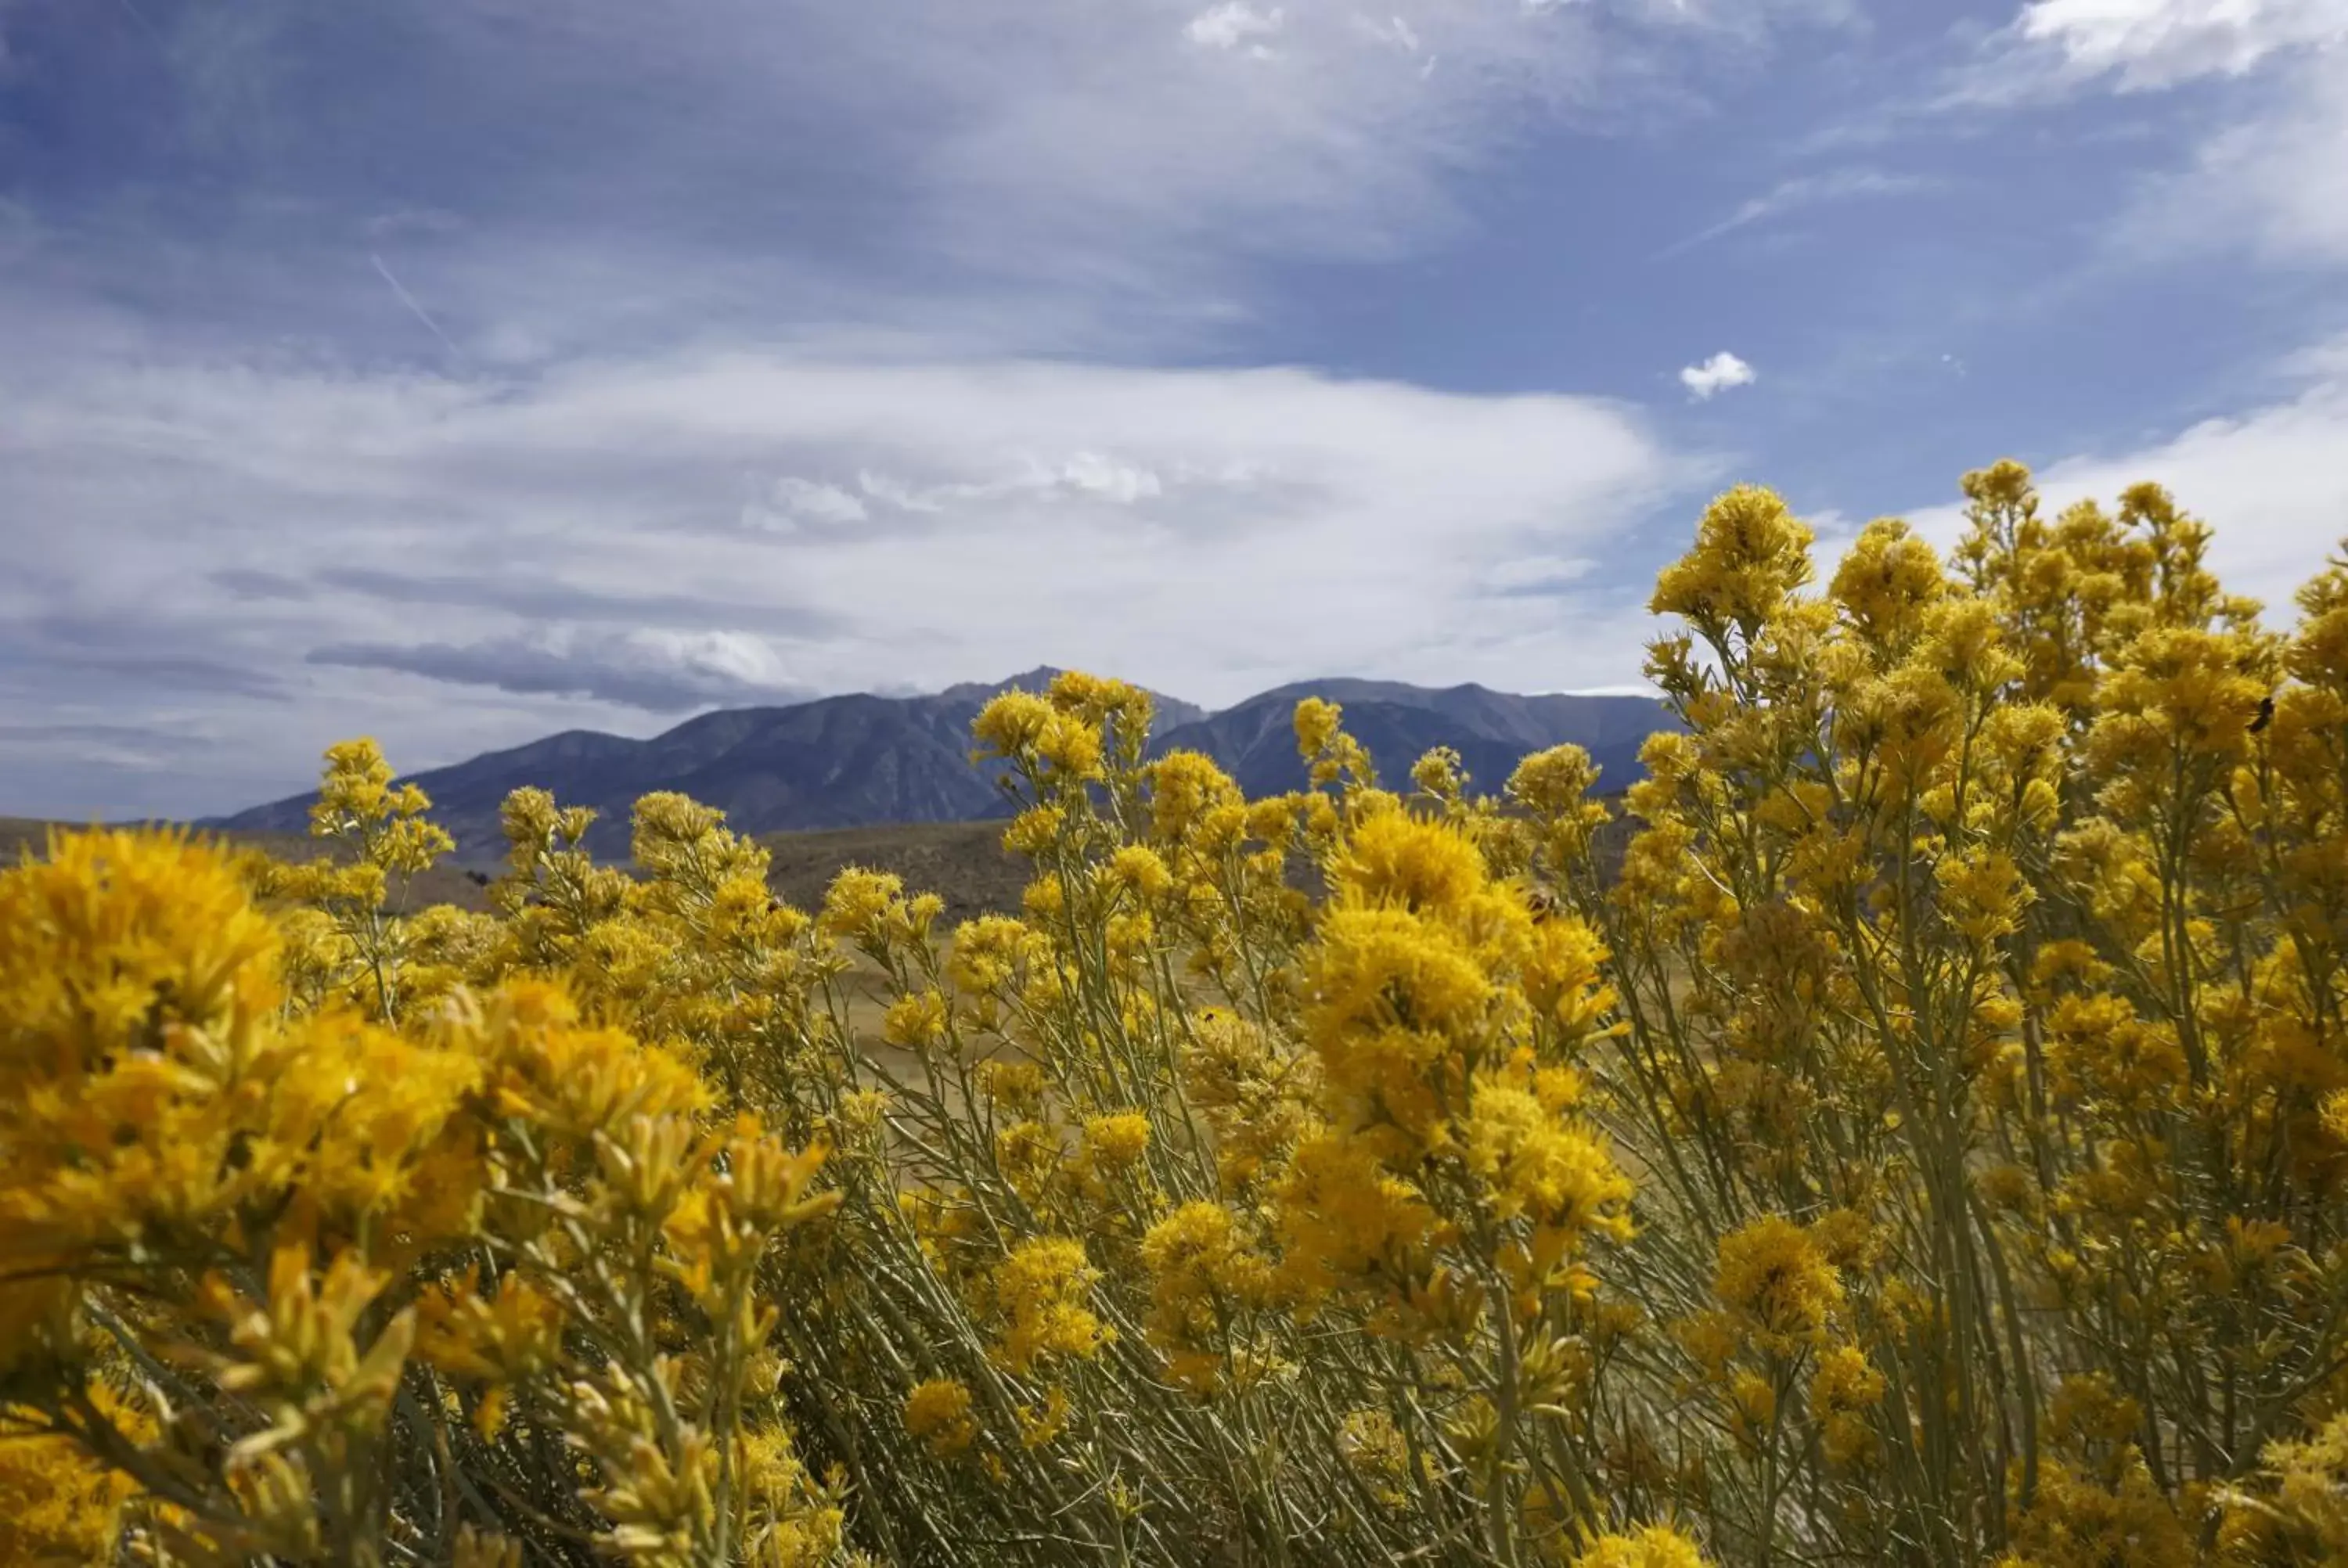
(656, 670)
(2271, 179)
(1055, 178)
(1721, 372)
(1230, 24)
(2269, 482)
(793, 500)
(2275, 184)
(1084, 475)
(739, 659)
(506, 557)
(2150, 44)
(1090, 474)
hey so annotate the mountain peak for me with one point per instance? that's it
(1169, 711)
(1035, 680)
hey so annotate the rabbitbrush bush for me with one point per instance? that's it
(1925, 1146)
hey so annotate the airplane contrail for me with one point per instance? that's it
(409, 301)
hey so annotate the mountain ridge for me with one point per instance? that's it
(861, 760)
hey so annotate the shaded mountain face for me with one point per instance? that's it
(854, 761)
(839, 761)
(1492, 731)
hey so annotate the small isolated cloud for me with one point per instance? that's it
(1230, 24)
(1718, 373)
(660, 671)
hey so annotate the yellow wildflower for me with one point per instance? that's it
(1040, 1290)
(1656, 1546)
(937, 1414)
(1116, 1142)
(1773, 1273)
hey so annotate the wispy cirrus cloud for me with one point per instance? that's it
(1803, 192)
(1093, 175)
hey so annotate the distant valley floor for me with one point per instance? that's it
(963, 862)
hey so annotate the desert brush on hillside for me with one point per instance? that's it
(1928, 1149)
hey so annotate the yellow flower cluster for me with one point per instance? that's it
(314, 1248)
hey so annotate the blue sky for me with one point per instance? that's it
(460, 372)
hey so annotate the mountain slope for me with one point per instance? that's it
(854, 761)
(1491, 731)
(839, 761)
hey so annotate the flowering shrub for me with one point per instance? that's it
(1920, 1138)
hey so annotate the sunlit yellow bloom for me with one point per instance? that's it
(937, 1413)
(1117, 1141)
(1040, 1291)
(1656, 1546)
(915, 1021)
(1773, 1273)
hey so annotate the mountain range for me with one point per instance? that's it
(852, 761)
